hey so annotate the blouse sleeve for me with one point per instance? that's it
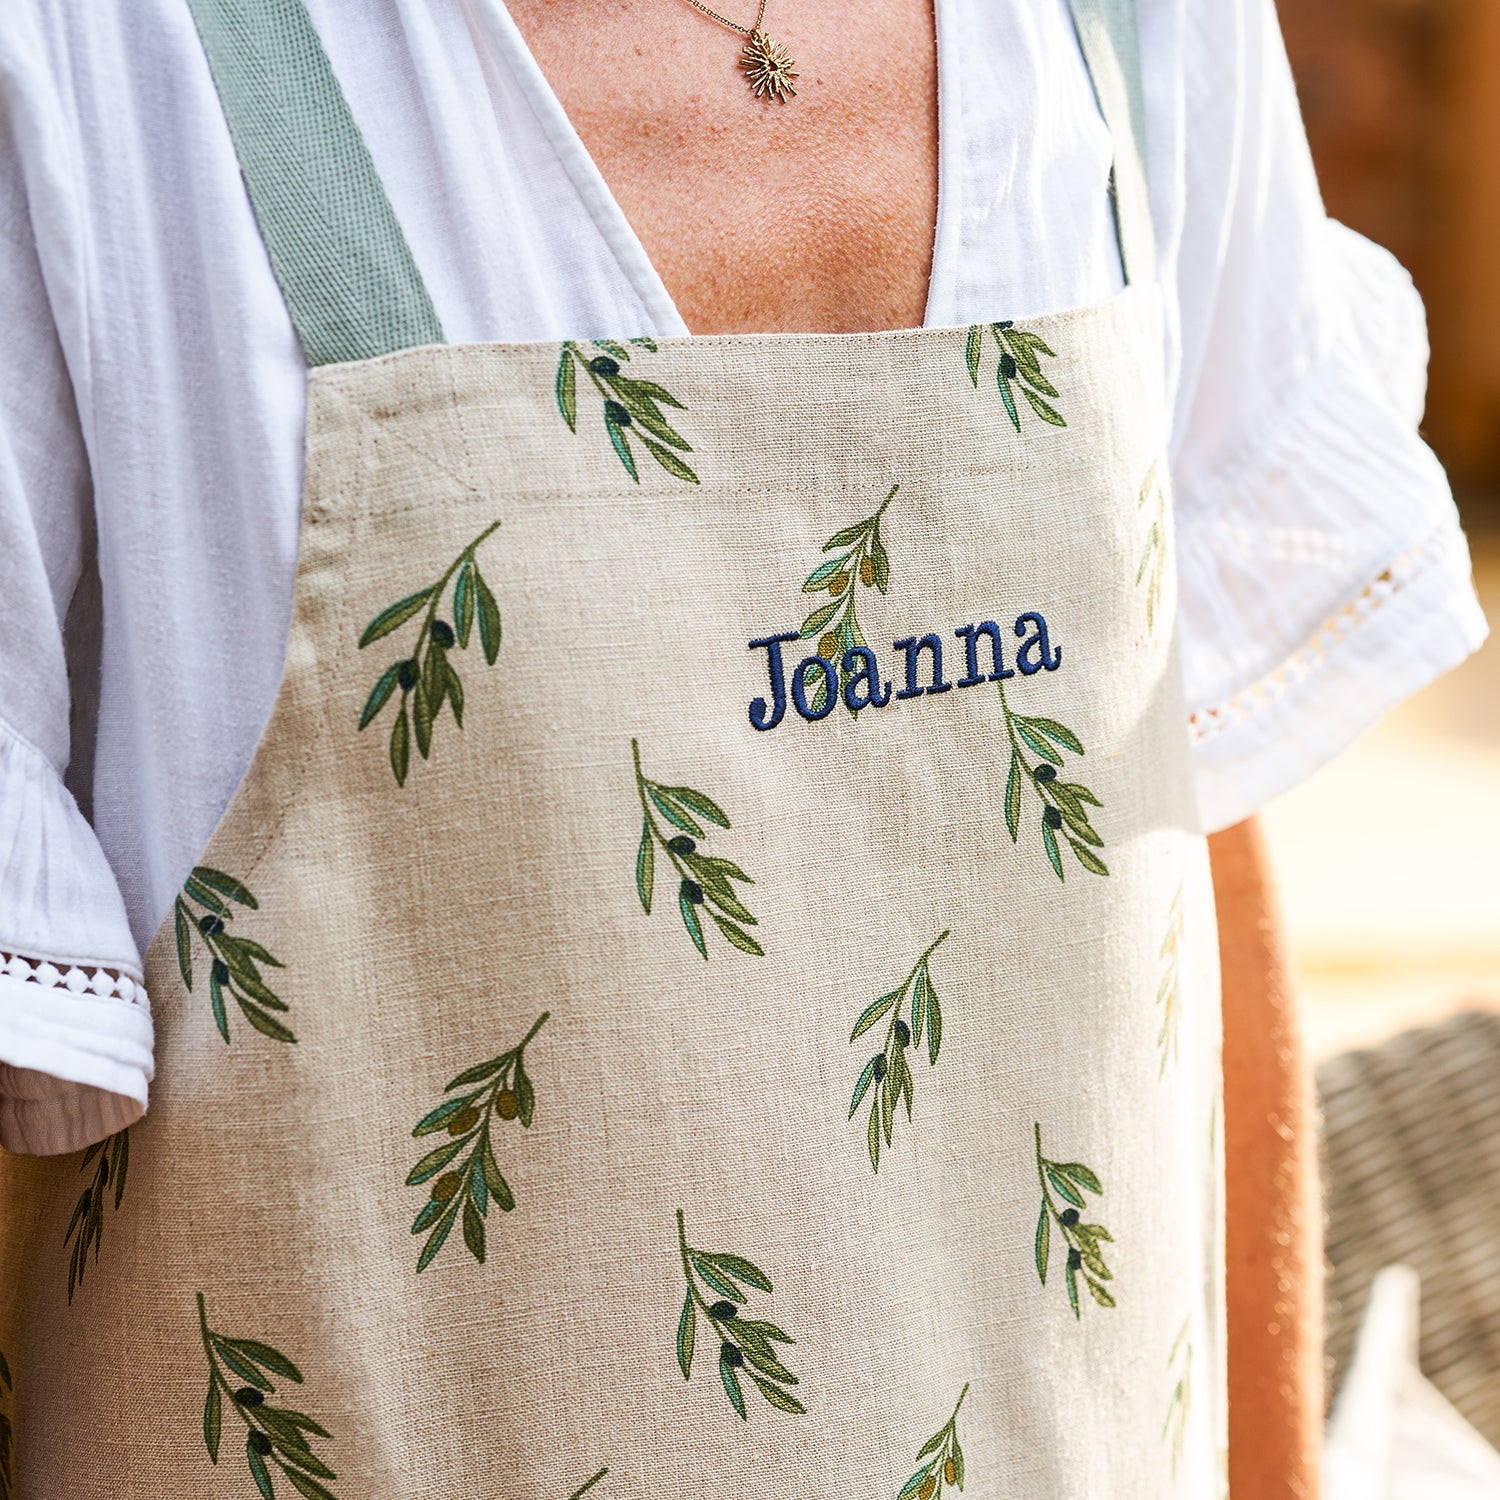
(1323, 575)
(75, 1025)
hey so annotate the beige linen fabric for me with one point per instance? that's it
(424, 928)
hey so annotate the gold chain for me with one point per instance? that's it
(768, 67)
(713, 15)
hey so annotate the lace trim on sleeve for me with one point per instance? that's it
(104, 984)
(1416, 619)
(1203, 723)
(76, 1045)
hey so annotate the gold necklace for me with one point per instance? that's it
(768, 67)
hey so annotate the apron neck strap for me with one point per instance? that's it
(1110, 40)
(345, 269)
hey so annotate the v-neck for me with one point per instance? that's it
(503, 50)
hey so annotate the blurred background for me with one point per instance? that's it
(1395, 920)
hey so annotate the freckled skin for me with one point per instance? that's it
(813, 215)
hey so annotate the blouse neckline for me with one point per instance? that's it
(501, 45)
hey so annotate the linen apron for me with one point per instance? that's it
(708, 987)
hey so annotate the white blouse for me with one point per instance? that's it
(151, 415)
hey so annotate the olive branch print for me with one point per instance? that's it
(1070, 1180)
(628, 404)
(940, 1463)
(703, 879)
(1064, 803)
(1168, 993)
(427, 677)
(499, 1089)
(861, 559)
(1180, 1369)
(272, 1433)
(584, 1488)
(207, 904)
(110, 1159)
(1020, 369)
(1154, 551)
(888, 1071)
(746, 1345)
(7, 1473)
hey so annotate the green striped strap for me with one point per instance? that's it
(1110, 39)
(345, 269)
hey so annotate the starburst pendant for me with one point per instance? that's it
(768, 67)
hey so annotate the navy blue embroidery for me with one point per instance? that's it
(826, 698)
(868, 673)
(969, 635)
(1036, 641)
(814, 685)
(911, 646)
(772, 646)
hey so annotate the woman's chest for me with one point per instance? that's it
(815, 213)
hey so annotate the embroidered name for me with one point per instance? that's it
(814, 683)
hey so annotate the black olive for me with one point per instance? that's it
(731, 1356)
(723, 1310)
(1045, 773)
(406, 675)
(1052, 818)
(1008, 366)
(211, 925)
(261, 1443)
(1069, 1217)
(903, 1033)
(221, 971)
(247, 1395)
(602, 364)
(880, 1067)
(682, 844)
(692, 892)
(617, 414)
(442, 633)
(1075, 1259)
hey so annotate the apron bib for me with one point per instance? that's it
(708, 987)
